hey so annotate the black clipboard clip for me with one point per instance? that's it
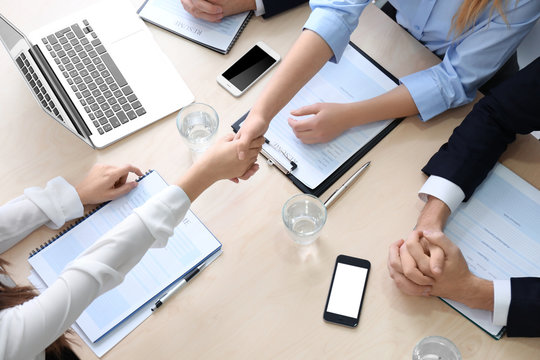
(271, 160)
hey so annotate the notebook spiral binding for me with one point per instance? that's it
(242, 27)
(65, 230)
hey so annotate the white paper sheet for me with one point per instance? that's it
(498, 231)
(355, 78)
(191, 243)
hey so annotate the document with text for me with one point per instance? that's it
(170, 15)
(498, 231)
(354, 78)
(191, 244)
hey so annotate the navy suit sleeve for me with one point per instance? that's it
(475, 146)
(524, 311)
(273, 7)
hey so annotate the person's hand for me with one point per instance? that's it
(106, 182)
(327, 123)
(252, 129)
(215, 10)
(396, 272)
(221, 160)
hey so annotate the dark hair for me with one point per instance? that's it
(13, 296)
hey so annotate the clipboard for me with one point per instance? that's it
(286, 166)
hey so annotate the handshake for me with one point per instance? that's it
(429, 264)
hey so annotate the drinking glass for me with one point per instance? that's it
(198, 124)
(304, 216)
(436, 348)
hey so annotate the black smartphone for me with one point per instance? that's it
(347, 290)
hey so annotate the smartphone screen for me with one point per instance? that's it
(249, 67)
(347, 290)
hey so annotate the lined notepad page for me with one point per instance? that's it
(497, 232)
(355, 78)
(191, 243)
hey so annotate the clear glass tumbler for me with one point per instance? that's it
(304, 217)
(198, 124)
(435, 348)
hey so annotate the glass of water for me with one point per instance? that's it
(436, 348)
(304, 217)
(198, 124)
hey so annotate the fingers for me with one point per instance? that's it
(228, 137)
(306, 110)
(436, 260)
(242, 146)
(250, 172)
(257, 143)
(208, 7)
(203, 9)
(416, 250)
(125, 170)
(410, 269)
(300, 126)
(122, 190)
(396, 273)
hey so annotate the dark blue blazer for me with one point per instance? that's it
(273, 7)
(511, 108)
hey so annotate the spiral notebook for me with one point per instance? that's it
(170, 15)
(191, 245)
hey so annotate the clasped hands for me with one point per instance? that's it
(429, 264)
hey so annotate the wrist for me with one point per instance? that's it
(434, 215)
(82, 196)
(481, 296)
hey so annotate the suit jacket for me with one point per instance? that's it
(473, 149)
(273, 7)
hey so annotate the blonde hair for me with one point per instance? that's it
(470, 9)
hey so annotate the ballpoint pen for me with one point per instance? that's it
(345, 186)
(178, 286)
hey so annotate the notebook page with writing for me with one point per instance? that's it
(170, 15)
(355, 78)
(191, 243)
(497, 232)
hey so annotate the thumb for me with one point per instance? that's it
(440, 246)
(306, 110)
(242, 145)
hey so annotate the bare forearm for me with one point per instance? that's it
(196, 180)
(307, 56)
(395, 103)
(434, 215)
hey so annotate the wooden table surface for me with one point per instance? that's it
(264, 297)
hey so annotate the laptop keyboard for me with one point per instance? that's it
(94, 77)
(37, 86)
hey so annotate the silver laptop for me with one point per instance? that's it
(99, 72)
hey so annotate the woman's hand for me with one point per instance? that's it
(106, 182)
(329, 120)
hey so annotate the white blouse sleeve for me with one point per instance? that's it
(26, 330)
(57, 203)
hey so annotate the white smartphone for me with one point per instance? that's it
(248, 69)
(346, 293)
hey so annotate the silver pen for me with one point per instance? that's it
(177, 287)
(345, 186)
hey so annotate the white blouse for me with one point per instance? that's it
(26, 330)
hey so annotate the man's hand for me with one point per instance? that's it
(106, 182)
(215, 10)
(252, 129)
(396, 273)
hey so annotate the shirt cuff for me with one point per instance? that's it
(502, 295)
(163, 212)
(260, 8)
(331, 28)
(443, 189)
(424, 89)
(59, 201)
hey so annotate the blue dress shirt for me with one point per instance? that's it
(470, 59)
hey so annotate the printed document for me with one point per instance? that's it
(355, 78)
(498, 231)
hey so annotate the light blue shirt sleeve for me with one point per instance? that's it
(471, 61)
(334, 21)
